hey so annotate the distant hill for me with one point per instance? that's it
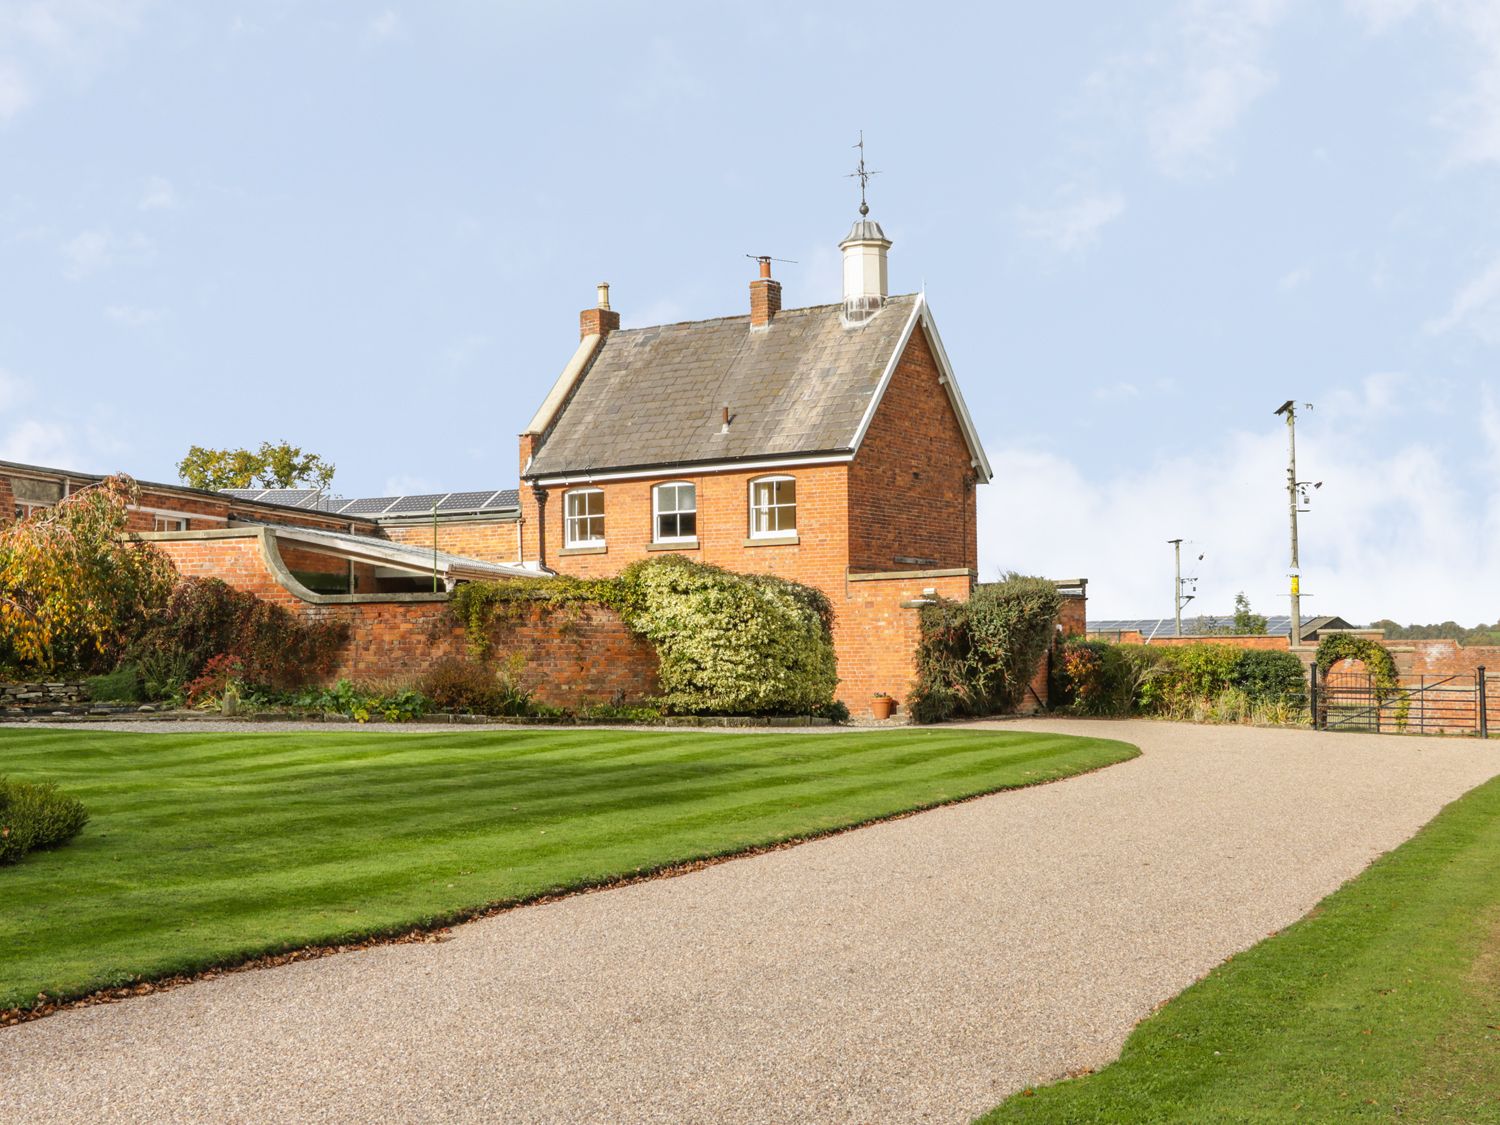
(1447, 631)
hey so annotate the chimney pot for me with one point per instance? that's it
(600, 320)
(765, 297)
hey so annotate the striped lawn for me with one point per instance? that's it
(209, 849)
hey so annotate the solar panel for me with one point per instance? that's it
(368, 506)
(465, 501)
(407, 505)
(506, 498)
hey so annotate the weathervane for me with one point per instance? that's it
(863, 175)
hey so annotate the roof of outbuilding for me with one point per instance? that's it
(655, 396)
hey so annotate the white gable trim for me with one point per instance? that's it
(921, 314)
(547, 412)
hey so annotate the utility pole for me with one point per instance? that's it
(1177, 583)
(1289, 409)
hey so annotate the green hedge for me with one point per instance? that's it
(977, 657)
(1214, 682)
(36, 816)
(728, 643)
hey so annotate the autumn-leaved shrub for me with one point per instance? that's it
(74, 591)
(35, 816)
(205, 618)
(471, 687)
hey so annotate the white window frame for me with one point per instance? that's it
(570, 521)
(160, 522)
(783, 533)
(657, 513)
(25, 509)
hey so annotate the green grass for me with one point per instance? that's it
(1382, 1005)
(209, 849)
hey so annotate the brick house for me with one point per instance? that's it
(828, 444)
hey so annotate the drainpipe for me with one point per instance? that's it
(539, 494)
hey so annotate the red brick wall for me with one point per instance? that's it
(876, 636)
(570, 658)
(487, 540)
(911, 491)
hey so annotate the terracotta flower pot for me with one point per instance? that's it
(883, 706)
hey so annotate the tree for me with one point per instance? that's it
(73, 588)
(282, 465)
(1246, 623)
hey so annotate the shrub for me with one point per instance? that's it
(123, 685)
(36, 816)
(74, 591)
(977, 657)
(471, 688)
(205, 618)
(737, 644)
(1098, 678)
(215, 680)
(1270, 677)
(361, 702)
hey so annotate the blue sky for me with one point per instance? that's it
(369, 229)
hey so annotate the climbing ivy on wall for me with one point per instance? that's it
(728, 643)
(1376, 658)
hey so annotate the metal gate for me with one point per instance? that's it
(1458, 704)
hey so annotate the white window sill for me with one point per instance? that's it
(672, 545)
(773, 540)
(585, 549)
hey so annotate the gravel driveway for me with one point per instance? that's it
(918, 970)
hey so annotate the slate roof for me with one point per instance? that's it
(655, 396)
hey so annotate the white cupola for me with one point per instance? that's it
(865, 283)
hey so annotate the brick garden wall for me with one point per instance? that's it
(586, 656)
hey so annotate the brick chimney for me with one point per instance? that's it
(765, 296)
(599, 321)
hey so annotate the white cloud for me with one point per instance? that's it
(1116, 392)
(1474, 305)
(15, 91)
(384, 26)
(14, 390)
(34, 442)
(133, 316)
(1221, 50)
(1381, 15)
(1199, 74)
(91, 251)
(1073, 225)
(65, 35)
(1392, 532)
(158, 195)
(1294, 279)
(411, 486)
(86, 253)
